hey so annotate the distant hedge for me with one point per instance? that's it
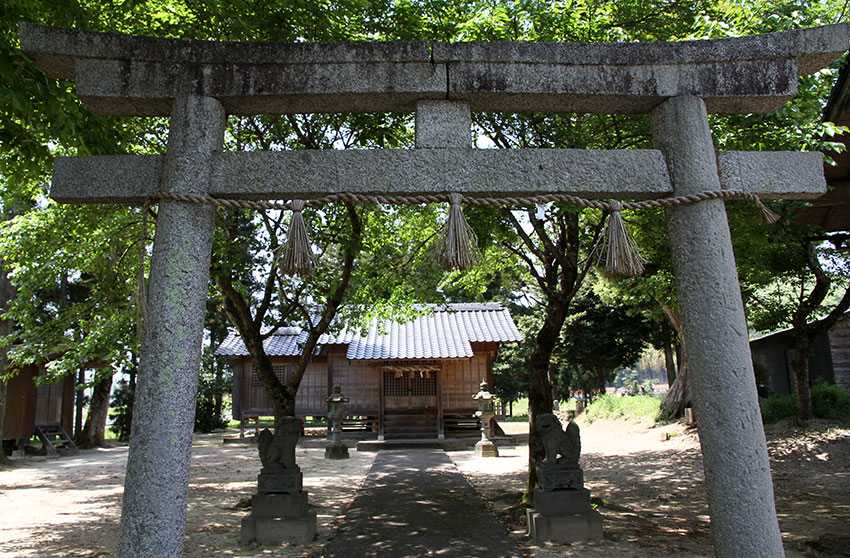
(828, 401)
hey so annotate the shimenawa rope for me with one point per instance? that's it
(460, 246)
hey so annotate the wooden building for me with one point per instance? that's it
(829, 362)
(28, 406)
(413, 379)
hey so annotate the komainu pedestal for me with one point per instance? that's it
(279, 510)
(562, 513)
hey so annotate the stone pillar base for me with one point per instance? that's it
(336, 451)
(564, 529)
(273, 506)
(296, 530)
(562, 502)
(486, 448)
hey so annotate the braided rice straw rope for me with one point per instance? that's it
(461, 248)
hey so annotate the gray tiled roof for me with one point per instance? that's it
(287, 343)
(445, 332)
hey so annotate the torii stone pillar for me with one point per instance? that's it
(197, 82)
(153, 516)
(737, 470)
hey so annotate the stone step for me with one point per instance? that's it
(449, 444)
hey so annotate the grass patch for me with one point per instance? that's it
(629, 407)
(519, 411)
(828, 402)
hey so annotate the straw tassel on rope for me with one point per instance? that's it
(460, 247)
(623, 258)
(766, 215)
(297, 258)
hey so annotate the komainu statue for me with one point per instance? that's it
(562, 446)
(277, 451)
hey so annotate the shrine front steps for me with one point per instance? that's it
(447, 444)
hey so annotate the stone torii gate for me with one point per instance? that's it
(199, 83)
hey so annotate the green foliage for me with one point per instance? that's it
(214, 381)
(122, 410)
(510, 370)
(829, 401)
(628, 378)
(74, 268)
(600, 338)
(778, 407)
(635, 407)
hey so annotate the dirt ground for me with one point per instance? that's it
(646, 481)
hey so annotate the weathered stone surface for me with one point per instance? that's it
(296, 530)
(595, 174)
(632, 173)
(288, 482)
(156, 485)
(489, 87)
(443, 125)
(277, 451)
(745, 74)
(737, 471)
(562, 445)
(114, 87)
(125, 75)
(486, 448)
(562, 502)
(555, 476)
(773, 175)
(337, 451)
(564, 529)
(279, 505)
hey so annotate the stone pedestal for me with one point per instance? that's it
(486, 448)
(562, 513)
(336, 451)
(558, 476)
(563, 516)
(279, 511)
(277, 530)
(288, 482)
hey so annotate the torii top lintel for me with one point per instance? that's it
(140, 76)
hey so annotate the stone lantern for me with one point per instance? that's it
(336, 413)
(485, 446)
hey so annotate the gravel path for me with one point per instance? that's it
(415, 503)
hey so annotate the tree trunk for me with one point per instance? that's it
(94, 432)
(670, 364)
(540, 390)
(134, 359)
(600, 380)
(800, 365)
(219, 397)
(79, 396)
(7, 293)
(332, 304)
(678, 396)
(282, 396)
(805, 333)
